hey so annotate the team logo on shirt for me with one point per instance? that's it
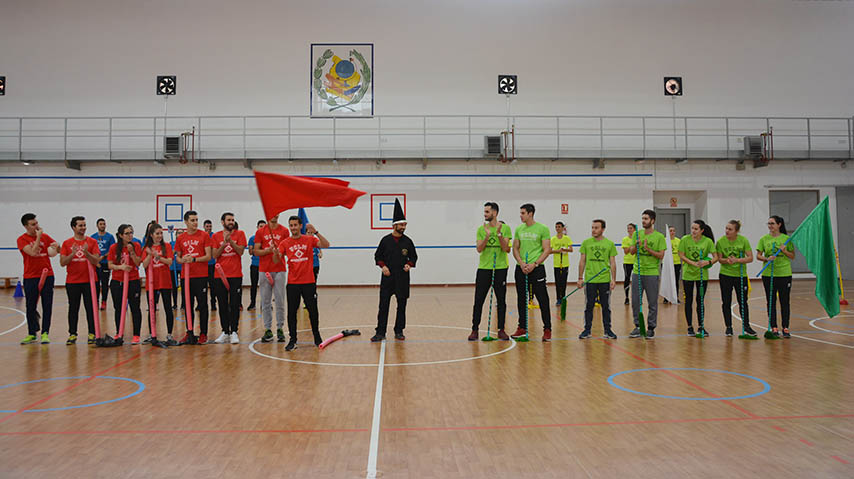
(597, 253)
(404, 252)
(298, 253)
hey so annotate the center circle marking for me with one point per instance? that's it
(140, 388)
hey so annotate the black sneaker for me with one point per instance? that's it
(650, 333)
(666, 302)
(627, 301)
(584, 335)
(170, 342)
(267, 337)
(280, 335)
(292, 344)
(728, 332)
(703, 332)
(691, 331)
(610, 335)
(399, 336)
(749, 330)
(251, 307)
(377, 338)
(635, 333)
(786, 333)
(317, 339)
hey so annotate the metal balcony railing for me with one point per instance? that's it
(427, 136)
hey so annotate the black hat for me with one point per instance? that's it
(398, 213)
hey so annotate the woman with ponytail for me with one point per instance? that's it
(779, 274)
(733, 253)
(159, 252)
(694, 250)
(125, 255)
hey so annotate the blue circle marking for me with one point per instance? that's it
(765, 386)
(140, 388)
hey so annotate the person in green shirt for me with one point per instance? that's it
(628, 258)
(650, 247)
(493, 244)
(677, 262)
(782, 268)
(531, 247)
(733, 253)
(694, 250)
(561, 247)
(598, 267)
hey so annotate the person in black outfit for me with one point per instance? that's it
(396, 256)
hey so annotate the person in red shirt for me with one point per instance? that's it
(37, 248)
(126, 255)
(267, 240)
(194, 250)
(228, 246)
(159, 252)
(75, 253)
(299, 250)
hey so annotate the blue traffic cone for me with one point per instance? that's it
(19, 291)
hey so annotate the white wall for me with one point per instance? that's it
(442, 211)
(586, 57)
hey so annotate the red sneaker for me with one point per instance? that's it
(547, 334)
(135, 340)
(203, 338)
(519, 333)
(473, 336)
(502, 335)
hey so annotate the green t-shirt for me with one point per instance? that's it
(649, 264)
(733, 249)
(597, 256)
(531, 240)
(561, 260)
(628, 258)
(695, 251)
(768, 246)
(674, 245)
(493, 247)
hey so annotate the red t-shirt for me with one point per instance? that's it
(300, 253)
(33, 265)
(119, 275)
(194, 245)
(229, 259)
(76, 270)
(161, 274)
(264, 238)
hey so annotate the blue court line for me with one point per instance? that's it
(231, 177)
(765, 386)
(140, 388)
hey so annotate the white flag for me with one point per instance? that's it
(667, 290)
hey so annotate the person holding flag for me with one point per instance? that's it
(694, 250)
(159, 252)
(531, 248)
(770, 249)
(598, 266)
(493, 243)
(396, 256)
(733, 253)
(649, 245)
(273, 269)
(126, 255)
(193, 248)
(561, 245)
(74, 254)
(299, 251)
(227, 248)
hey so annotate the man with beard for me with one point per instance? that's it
(493, 244)
(228, 246)
(395, 255)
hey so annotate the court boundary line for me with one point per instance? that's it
(736, 315)
(22, 313)
(375, 422)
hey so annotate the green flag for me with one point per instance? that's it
(814, 239)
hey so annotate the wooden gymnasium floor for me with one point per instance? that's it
(449, 408)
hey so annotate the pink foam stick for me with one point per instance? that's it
(221, 273)
(93, 289)
(152, 314)
(188, 311)
(125, 281)
(270, 279)
(45, 272)
(331, 340)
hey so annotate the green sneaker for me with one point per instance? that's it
(280, 335)
(71, 340)
(91, 339)
(45, 339)
(267, 337)
(30, 339)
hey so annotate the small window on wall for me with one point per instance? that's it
(793, 206)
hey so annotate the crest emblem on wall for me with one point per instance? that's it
(342, 80)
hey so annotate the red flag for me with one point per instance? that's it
(284, 192)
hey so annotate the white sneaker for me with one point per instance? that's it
(222, 338)
(234, 339)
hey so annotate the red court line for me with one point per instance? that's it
(778, 428)
(843, 461)
(439, 428)
(806, 442)
(69, 388)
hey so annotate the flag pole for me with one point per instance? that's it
(842, 300)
